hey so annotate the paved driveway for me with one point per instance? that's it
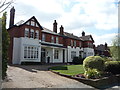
(38, 76)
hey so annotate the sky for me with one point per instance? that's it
(98, 18)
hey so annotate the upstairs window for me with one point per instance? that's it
(37, 34)
(43, 37)
(56, 39)
(32, 23)
(26, 33)
(75, 43)
(31, 33)
(52, 39)
(71, 42)
(80, 44)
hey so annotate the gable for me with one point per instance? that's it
(33, 22)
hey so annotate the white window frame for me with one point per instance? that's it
(56, 54)
(32, 23)
(36, 34)
(37, 25)
(31, 52)
(43, 37)
(52, 39)
(31, 33)
(57, 40)
(75, 43)
(26, 33)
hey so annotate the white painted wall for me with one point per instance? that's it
(77, 50)
(89, 52)
(18, 49)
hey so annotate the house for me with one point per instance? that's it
(31, 42)
(102, 50)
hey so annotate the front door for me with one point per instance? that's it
(43, 55)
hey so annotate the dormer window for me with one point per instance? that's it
(37, 34)
(31, 33)
(26, 33)
(52, 39)
(32, 23)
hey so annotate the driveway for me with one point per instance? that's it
(37, 76)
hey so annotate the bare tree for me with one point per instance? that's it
(4, 4)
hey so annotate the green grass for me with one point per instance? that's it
(69, 69)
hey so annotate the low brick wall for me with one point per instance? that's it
(101, 83)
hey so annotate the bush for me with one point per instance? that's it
(113, 67)
(93, 62)
(92, 74)
(77, 60)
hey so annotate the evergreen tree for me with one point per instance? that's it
(5, 45)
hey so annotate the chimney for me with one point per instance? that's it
(83, 33)
(61, 30)
(55, 26)
(12, 16)
(105, 45)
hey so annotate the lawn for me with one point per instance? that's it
(69, 69)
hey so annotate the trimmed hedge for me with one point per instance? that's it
(113, 67)
(93, 62)
(77, 60)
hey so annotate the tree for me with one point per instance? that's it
(115, 48)
(5, 45)
(4, 5)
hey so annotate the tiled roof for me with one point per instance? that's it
(86, 38)
(71, 36)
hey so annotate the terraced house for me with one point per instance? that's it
(31, 42)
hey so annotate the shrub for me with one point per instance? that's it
(77, 60)
(113, 67)
(92, 74)
(93, 62)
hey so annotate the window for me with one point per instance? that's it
(56, 54)
(56, 39)
(37, 34)
(25, 52)
(30, 52)
(32, 23)
(52, 39)
(73, 54)
(74, 43)
(43, 37)
(31, 33)
(80, 45)
(26, 33)
(71, 43)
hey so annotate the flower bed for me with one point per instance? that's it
(101, 83)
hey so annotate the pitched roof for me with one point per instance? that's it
(87, 38)
(21, 22)
(71, 36)
(100, 47)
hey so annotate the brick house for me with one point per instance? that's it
(31, 42)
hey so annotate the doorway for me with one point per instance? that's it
(43, 55)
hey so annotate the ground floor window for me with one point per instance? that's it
(73, 54)
(30, 52)
(56, 54)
